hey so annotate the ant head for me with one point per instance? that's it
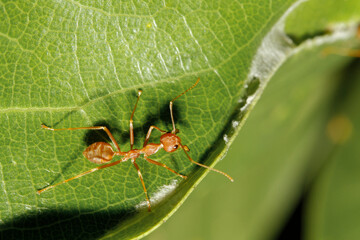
(170, 141)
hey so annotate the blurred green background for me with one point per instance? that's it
(295, 162)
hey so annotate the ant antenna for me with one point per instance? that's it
(174, 131)
(186, 149)
(131, 121)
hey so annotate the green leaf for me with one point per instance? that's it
(335, 194)
(317, 17)
(80, 63)
(77, 64)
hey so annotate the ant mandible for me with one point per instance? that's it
(102, 152)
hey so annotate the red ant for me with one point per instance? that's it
(102, 152)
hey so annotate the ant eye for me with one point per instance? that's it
(176, 146)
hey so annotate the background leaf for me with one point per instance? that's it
(335, 193)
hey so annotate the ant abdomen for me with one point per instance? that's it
(99, 152)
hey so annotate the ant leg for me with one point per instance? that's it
(131, 122)
(82, 174)
(185, 148)
(149, 133)
(163, 165)
(88, 128)
(142, 182)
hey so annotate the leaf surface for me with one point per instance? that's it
(80, 63)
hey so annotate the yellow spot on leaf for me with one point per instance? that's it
(339, 129)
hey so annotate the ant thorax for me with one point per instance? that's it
(150, 149)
